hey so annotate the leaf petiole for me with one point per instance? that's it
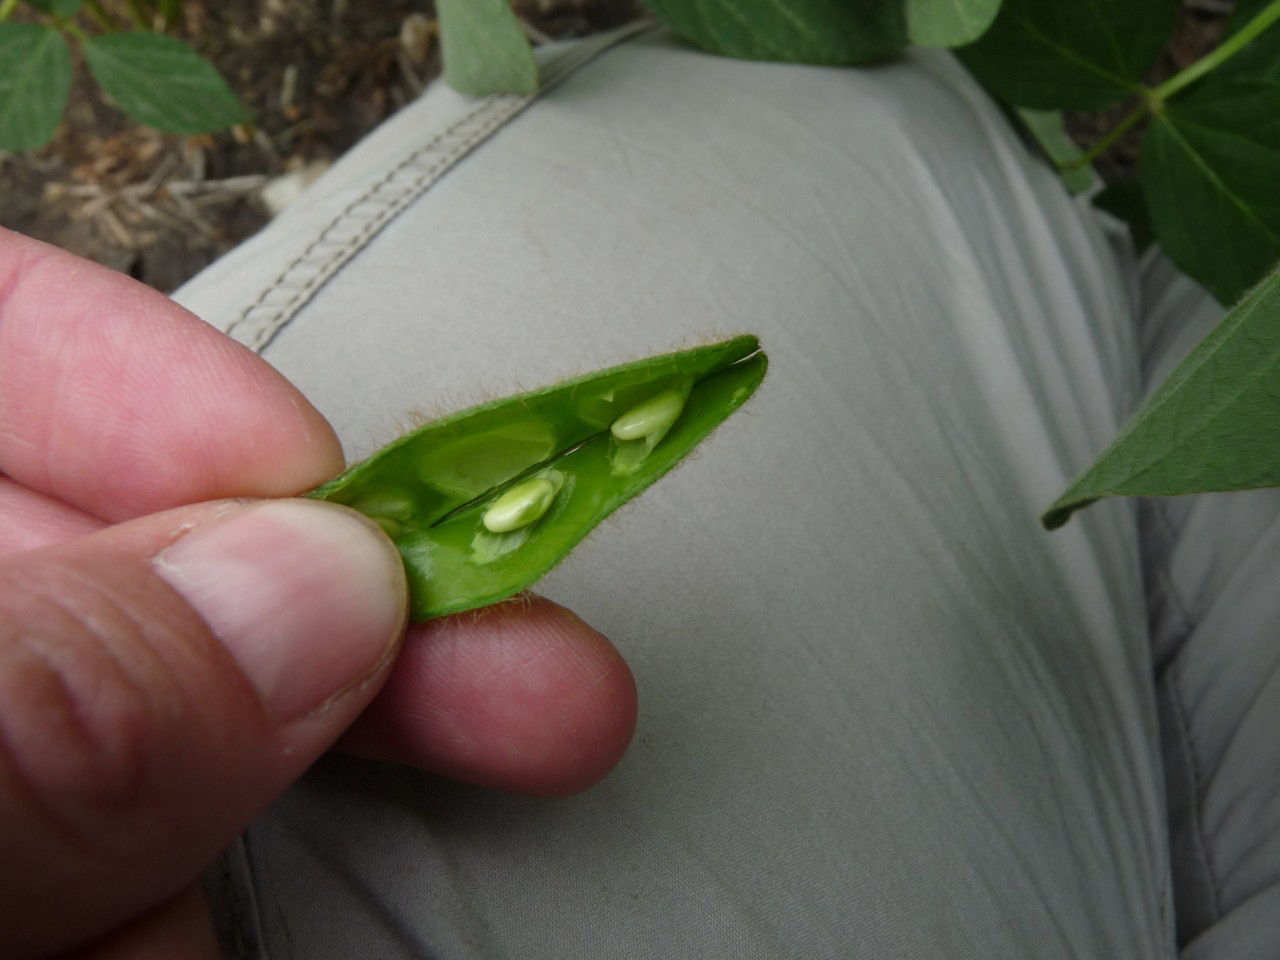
(71, 30)
(137, 14)
(1228, 48)
(1113, 136)
(98, 15)
(1153, 99)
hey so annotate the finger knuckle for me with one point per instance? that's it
(78, 720)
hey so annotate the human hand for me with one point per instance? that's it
(172, 658)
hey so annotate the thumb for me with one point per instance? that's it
(160, 682)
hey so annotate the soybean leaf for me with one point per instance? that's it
(1124, 200)
(949, 23)
(162, 82)
(35, 78)
(484, 49)
(58, 8)
(1051, 54)
(1209, 164)
(1047, 128)
(801, 31)
(1214, 424)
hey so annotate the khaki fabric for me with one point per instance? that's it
(883, 713)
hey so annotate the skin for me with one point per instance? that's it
(124, 421)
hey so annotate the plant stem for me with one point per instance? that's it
(1229, 47)
(99, 16)
(1114, 134)
(139, 15)
(74, 31)
(171, 10)
(6, 8)
(1153, 100)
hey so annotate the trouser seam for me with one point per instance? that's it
(355, 225)
(1161, 529)
(1158, 513)
(1187, 749)
(235, 898)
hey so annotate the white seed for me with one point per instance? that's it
(520, 506)
(655, 415)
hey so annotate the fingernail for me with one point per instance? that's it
(308, 598)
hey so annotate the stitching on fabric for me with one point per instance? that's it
(320, 258)
(1174, 687)
(1161, 524)
(353, 227)
(239, 898)
(1160, 513)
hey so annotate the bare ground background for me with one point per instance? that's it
(317, 75)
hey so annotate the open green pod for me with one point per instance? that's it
(483, 502)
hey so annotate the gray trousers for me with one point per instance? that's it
(883, 713)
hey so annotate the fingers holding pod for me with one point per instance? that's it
(120, 403)
(521, 696)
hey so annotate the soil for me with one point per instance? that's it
(317, 77)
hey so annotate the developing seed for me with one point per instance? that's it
(521, 505)
(655, 415)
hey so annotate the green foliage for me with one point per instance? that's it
(1049, 131)
(949, 23)
(802, 31)
(162, 82)
(1214, 424)
(1209, 156)
(1210, 165)
(156, 79)
(35, 77)
(1056, 54)
(483, 48)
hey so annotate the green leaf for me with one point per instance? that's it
(163, 83)
(1125, 201)
(1210, 169)
(35, 78)
(949, 23)
(1053, 54)
(484, 49)
(801, 31)
(1214, 424)
(1047, 128)
(58, 8)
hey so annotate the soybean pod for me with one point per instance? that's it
(483, 502)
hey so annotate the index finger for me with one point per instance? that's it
(116, 400)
